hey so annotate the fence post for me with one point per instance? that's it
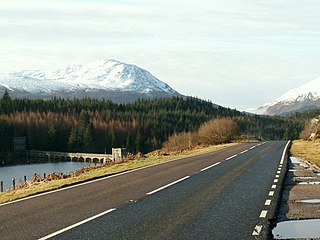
(1, 187)
(14, 183)
(44, 175)
(25, 179)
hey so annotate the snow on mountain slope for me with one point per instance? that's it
(301, 98)
(308, 91)
(103, 75)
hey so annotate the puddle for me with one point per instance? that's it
(308, 183)
(304, 178)
(294, 160)
(309, 201)
(297, 229)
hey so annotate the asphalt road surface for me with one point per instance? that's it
(227, 194)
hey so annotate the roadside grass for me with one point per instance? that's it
(45, 186)
(307, 150)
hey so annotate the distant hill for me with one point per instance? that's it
(299, 99)
(102, 79)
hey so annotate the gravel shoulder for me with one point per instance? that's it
(300, 184)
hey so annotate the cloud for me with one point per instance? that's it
(217, 50)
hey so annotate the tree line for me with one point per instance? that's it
(90, 125)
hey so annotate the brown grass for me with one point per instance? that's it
(44, 186)
(307, 150)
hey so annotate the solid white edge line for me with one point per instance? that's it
(231, 157)
(77, 224)
(168, 185)
(284, 152)
(263, 213)
(257, 230)
(211, 166)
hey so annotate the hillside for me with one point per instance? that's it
(91, 125)
(102, 79)
(299, 99)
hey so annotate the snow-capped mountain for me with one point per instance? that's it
(298, 99)
(108, 79)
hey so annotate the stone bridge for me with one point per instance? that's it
(48, 156)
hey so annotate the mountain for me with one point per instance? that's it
(298, 99)
(108, 79)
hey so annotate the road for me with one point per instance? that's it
(227, 194)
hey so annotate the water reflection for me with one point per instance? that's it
(297, 229)
(18, 172)
(310, 201)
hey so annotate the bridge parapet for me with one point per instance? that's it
(49, 156)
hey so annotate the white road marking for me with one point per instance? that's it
(274, 186)
(279, 169)
(267, 203)
(257, 230)
(271, 193)
(284, 152)
(77, 224)
(231, 157)
(263, 213)
(278, 172)
(252, 147)
(89, 182)
(204, 169)
(277, 176)
(275, 180)
(244, 151)
(280, 165)
(168, 185)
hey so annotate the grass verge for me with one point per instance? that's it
(307, 150)
(45, 186)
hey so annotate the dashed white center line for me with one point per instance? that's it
(244, 151)
(231, 157)
(168, 185)
(263, 213)
(77, 224)
(279, 169)
(277, 176)
(211, 166)
(278, 172)
(267, 203)
(274, 186)
(275, 180)
(271, 193)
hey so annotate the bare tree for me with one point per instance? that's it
(217, 131)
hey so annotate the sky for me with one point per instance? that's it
(236, 53)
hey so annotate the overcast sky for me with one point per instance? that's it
(237, 53)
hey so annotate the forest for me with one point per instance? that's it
(90, 125)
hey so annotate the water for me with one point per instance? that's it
(310, 201)
(295, 178)
(308, 183)
(18, 172)
(294, 160)
(297, 229)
